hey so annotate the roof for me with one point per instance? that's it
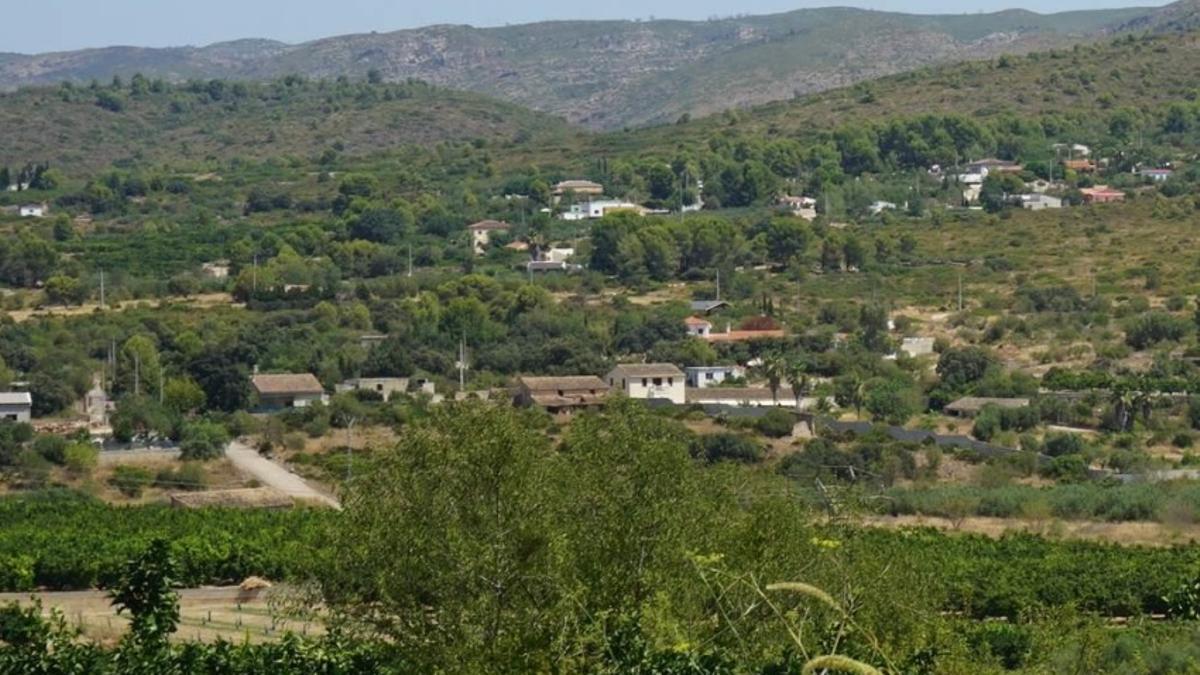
(737, 394)
(577, 185)
(696, 321)
(263, 497)
(287, 383)
(702, 369)
(647, 370)
(564, 383)
(16, 398)
(489, 225)
(977, 403)
(707, 305)
(742, 335)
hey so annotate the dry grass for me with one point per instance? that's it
(206, 614)
(1128, 533)
(201, 301)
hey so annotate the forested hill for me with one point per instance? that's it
(609, 74)
(79, 129)
(1124, 84)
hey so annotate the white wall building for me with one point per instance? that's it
(701, 377)
(33, 210)
(599, 208)
(16, 406)
(649, 380)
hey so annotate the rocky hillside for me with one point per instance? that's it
(609, 74)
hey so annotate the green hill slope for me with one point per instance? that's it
(78, 129)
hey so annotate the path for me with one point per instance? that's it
(247, 460)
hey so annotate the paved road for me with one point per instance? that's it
(247, 460)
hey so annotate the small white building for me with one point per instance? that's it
(599, 208)
(917, 346)
(881, 206)
(481, 233)
(218, 269)
(288, 390)
(649, 381)
(1037, 201)
(33, 210)
(559, 254)
(697, 327)
(16, 406)
(703, 377)
(386, 387)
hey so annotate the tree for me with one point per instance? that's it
(774, 369)
(848, 392)
(65, 290)
(962, 367)
(468, 492)
(146, 592)
(138, 366)
(202, 440)
(182, 395)
(786, 239)
(893, 400)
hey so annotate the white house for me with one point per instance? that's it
(559, 254)
(481, 233)
(697, 327)
(804, 207)
(33, 210)
(599, 208)
(1156, 175)
(16, 406)
(702, 377)
(917, 346)
(386, 387)
(881, 206)
(288, 390)
(649, 380)
(743, 397)
(1037, 201)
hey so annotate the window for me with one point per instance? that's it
(645, 382)
(709, 376)
(658, 381)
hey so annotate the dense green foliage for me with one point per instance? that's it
(60, 541)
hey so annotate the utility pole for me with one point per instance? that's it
(102, 288)
(960, 291)
(350, 448)
(254, 276)
(137, 373)
(462, 364)
(718, 283)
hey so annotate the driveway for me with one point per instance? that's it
(247, 460)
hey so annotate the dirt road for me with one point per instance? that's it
(247, 460)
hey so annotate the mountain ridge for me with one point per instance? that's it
(616, 73)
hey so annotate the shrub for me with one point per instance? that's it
(81, 459)
(1154, 327)
(777, 423)
(726, 446)
(1061, 444)
(190, 476)
(203, 440)
(51, 447)
(130, 480)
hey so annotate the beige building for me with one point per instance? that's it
(649, 380)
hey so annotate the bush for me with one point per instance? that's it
(726, 446)
(1154, 327)
(1061, 444)
(203, 440)
(130, 480)
(51, 447)
(777, 423)
(190, 476)
(81, 459)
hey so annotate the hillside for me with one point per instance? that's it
(1087, 84)
(79, 129)
(609, 74)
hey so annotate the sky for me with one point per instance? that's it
(57, 25)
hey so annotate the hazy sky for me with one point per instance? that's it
(32, 26)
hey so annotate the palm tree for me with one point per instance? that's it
(797, 377)
(773, 369)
